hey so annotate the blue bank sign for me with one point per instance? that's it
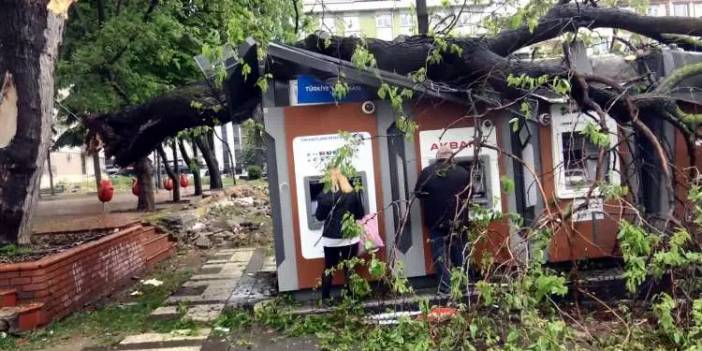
(311, 90)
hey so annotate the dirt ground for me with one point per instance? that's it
(68, 212)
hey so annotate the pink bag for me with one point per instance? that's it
(370, 239)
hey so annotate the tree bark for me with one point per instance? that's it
(157, 157)
(144, 171)
(227, 156)
(51, 174)
(198, 181)
(570, 17)
(211, 162)
(164, 163)
(193, 166)
(176, 172)
(30, 33)
(96, 170)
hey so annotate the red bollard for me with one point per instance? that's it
(168, 184)
(184, 181)
(135, 187)
(105, 190)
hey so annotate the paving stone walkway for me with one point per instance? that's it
(227, 275)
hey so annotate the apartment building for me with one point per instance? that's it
(391, 18)
(388, 19)
(229, 155)
(71, 165)
(684, 8)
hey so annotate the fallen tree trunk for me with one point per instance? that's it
(135, 132)
(475, 69)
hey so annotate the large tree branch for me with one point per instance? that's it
(570, 17)
(475, 71)
(135, 132)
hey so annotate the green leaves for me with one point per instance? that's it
(635, 244)
(507, 184)
(362, 58)
(546, 285)
(397, 97)
(376, 267)
(349, 227)
(340, 89)
(595, 135)
(664, 312)
(127, 59)
(526, 82)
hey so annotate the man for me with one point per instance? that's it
(442, 187)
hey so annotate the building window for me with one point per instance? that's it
(698, 9)
(329, 24)
(407, 23)
(680, 10)
(383, 24)
(656, 10)
(383, 20)
(438, 17)
(406, 20)
(352, 26)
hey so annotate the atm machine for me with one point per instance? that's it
(569, 162)
(406, 159)
(303, 131)
(310, 155)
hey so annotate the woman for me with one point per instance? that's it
(331, 207)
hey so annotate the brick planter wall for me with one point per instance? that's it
(67, 281)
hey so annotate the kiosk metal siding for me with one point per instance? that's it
(320, 120)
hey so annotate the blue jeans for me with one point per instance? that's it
(443, 245)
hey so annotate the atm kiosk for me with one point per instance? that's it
(310, 154)
(487, 169)
(569, 163)
(303, 122)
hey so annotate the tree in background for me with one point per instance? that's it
(123, 53)
(193, 164)
(254, 143)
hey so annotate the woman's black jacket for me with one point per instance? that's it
(331, 207)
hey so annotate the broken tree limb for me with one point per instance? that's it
(135, 132)
(480, 69)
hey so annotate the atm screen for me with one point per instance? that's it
(314, 187)
(481, 191)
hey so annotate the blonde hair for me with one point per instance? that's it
(339, 181)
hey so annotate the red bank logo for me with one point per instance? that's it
(454, 145)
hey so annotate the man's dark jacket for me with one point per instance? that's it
(437, 187)
(331, 208)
